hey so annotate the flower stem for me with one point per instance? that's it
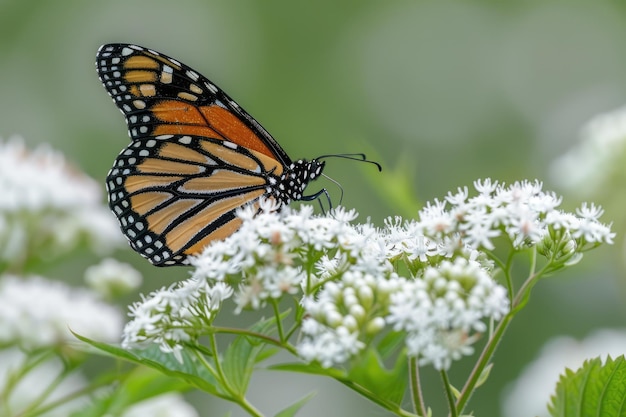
(518, 303)
(416, 388)
(482, 362)
(279, 323)
(449, 394)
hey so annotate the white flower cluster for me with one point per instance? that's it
(429, 279)
(441, 309)
(112, 278)
(47, 206)
(36, 312)
(522, 212)
(174, 315)
(342, 316)
(600, 154)
(268, 250)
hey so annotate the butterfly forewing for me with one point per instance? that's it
(160, 96)
(195, 157)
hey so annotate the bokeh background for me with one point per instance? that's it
(439, 92)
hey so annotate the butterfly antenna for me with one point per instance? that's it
(360, 157)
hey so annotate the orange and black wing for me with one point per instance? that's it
(176, 194)
(159, 95)
(195, 156)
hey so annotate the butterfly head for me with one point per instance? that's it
(296, 177)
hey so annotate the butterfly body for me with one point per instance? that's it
(195, 157)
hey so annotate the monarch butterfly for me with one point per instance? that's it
(195, 157)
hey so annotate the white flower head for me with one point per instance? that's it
(344, 316)
(112, 278)
(36, 312)
(174, 315)
(48, 206)
(430, 279)
(443, 311)
(522, 212)
(601, 150)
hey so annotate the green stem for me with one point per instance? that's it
(416, 388)
(518, 303)
(243, 402)
(279, 323)
(509, 277)
(43, 396)
(16, 376)
(387, 405)
(248, 333)
(219, 371)
(71, 396)
(482, 362)
(449, 393)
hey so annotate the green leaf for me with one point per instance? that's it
(138, 385)
(370, 372)
(484, 375)
(189, 370)
(593, 390)
(390, 344)
(312, 368)
(243, 353)
(295, 407)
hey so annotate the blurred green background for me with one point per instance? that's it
(439, 92)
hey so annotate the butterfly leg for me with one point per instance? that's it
(317, 196)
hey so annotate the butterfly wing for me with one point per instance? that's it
(175, 195)
(159, 95)
(194, 159)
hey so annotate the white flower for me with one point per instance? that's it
(111, 277)
(523, 211)
(441, 310)
(344, 316)
(586, 167)
(345, 276)
(48, 206)
(328, 346)
(174, 315)
(36, 312)
(342, 215)
(267, 251)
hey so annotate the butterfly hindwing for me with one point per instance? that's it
(174, 195)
